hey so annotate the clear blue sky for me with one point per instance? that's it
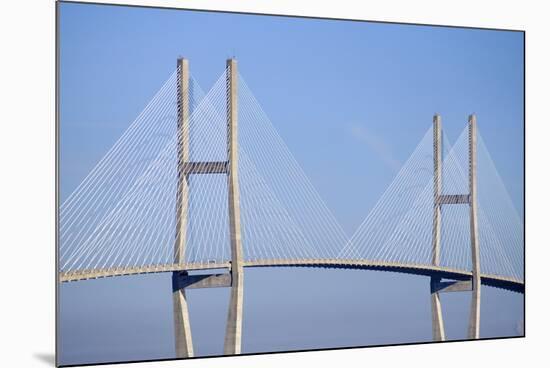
(317, 81)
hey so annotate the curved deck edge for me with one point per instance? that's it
(502, 282)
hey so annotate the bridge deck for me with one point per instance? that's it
(503, 282)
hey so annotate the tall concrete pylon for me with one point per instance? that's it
(438, 329)
(473, 328)
(474, 285)
(233, 333)
(182, 327)
(181, 280)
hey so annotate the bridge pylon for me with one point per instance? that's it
(436, 285)
(182, 326)
(438, 328)
(182, 280)
(232, 344)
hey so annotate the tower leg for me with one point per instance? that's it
(438, 328)
(473, 327)
(233, 333)
(182, 327)
(232, 344)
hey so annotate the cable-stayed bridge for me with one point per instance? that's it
(202, 181)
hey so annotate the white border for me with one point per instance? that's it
(27, 180)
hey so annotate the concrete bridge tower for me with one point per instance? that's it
(181, 280)
(436, 285)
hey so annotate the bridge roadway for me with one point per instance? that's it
(502, 282)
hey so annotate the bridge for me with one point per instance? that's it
(201, 185)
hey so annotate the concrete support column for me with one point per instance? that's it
(438, 329)
(182, 327)
(473, 328)
(232, 344)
